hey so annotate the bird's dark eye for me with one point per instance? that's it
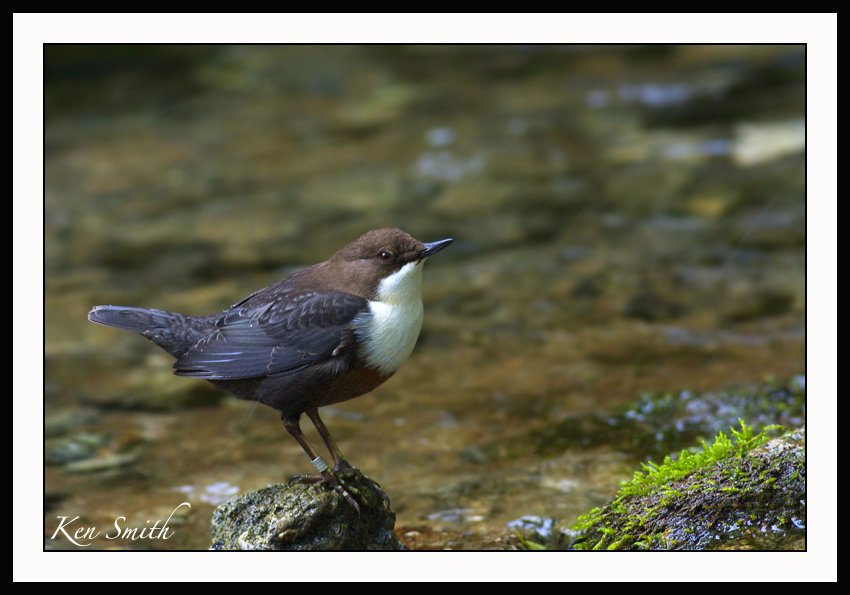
(385, 256)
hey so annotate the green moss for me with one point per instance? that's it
(660, 476)
(528, 544)
(702, 498)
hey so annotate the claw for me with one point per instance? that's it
(343, 474)
(344, 468)
(360, 478)
(333, 481)
(341, 479)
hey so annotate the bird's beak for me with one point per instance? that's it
(433, 248)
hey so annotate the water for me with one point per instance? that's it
(625, 220)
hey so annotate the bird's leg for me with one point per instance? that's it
(340, 464)
(293, 426)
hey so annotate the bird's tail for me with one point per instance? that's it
(139, 320)
(174, 332)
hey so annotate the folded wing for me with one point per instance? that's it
(258, 337)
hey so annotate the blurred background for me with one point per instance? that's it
(627, 220)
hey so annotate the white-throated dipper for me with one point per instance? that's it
(322, 335)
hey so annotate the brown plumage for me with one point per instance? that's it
(325, 334)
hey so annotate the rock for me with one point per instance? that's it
(305, 517)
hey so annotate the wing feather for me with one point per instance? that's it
(258, 338)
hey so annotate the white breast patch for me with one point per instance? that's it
(388, 331)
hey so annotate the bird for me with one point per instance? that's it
(325, 334)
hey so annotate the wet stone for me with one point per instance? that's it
(75, 447)
(59, 422)
(304, 517)
(752, 501)
(111, 462)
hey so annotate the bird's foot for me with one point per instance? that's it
(348, 471)
(343, 479)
